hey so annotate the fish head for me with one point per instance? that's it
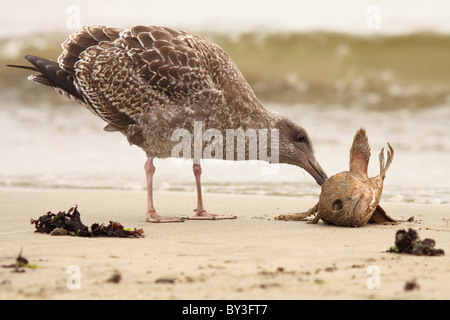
(347, 199)
(350, 198)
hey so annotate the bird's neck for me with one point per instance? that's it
(250, 112)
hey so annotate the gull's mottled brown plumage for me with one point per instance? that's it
(148, 79)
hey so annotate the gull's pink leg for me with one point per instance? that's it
(152, 216)
(201, 213)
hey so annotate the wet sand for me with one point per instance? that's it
(252, 257)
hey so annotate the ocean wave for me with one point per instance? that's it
(324, 69)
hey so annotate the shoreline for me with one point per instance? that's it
(252, 257)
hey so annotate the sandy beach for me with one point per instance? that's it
(252, 257)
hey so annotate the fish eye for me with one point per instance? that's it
(301, 137)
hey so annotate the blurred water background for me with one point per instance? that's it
(333, 66)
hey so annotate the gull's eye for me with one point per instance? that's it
(301, 137)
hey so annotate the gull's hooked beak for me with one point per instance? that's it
(314, 169)
(317, 172)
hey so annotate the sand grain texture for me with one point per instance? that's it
(253, 257)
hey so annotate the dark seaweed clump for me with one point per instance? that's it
(409, 242)
(71, 221)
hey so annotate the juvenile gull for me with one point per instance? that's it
(147, 81)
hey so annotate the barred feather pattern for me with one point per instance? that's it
(147, 81)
